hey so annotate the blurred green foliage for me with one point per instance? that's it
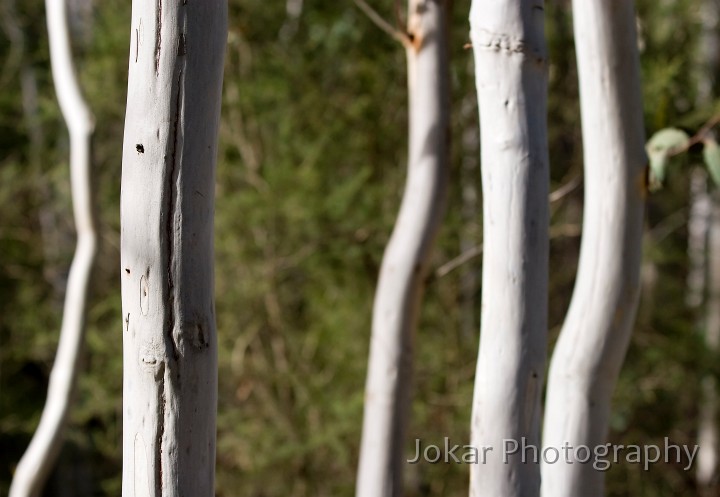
(311, 170)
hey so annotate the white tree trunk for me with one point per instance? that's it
(511, 75)
(38, 460)
(698, 228)
(704, 217)
(405, 262)
(707, 461)
(596, 333)
(167, 206)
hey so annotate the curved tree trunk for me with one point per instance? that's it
(596, 333)
(511, 75)
(167, 206)
(404, 265)
(38, 460)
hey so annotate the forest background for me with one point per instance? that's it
(310, 174)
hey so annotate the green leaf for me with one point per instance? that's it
(658, 148)
(711, 154)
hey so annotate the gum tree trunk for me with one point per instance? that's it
(167, 204)
(406, 258)
(37, 462)
(704, 259)
(511, 75)
(596, 332)
(707, 461)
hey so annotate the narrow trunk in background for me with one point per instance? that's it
(707, 460)
(511, 75)
(596, 333)
(406, 258)
(704, 212)
(38, 460)
(698, 225)
(167, 205)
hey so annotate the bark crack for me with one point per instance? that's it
(182, 47)
(158, 36)
(171, 219)
(162, 409)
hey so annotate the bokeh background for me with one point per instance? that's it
(310, 175)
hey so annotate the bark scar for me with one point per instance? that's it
(504, 43)
(416, 40)
(200, 339)
(415, 27)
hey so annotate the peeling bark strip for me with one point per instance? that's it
(169, 157)
(173, 227)
(162, 412)
(158, 35)
(509, 47)
(595, 336)
(404, 265)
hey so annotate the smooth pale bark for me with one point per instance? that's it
(511, 76)
(37, 462)
(406, 258)
(167, 206)
(595, 336)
